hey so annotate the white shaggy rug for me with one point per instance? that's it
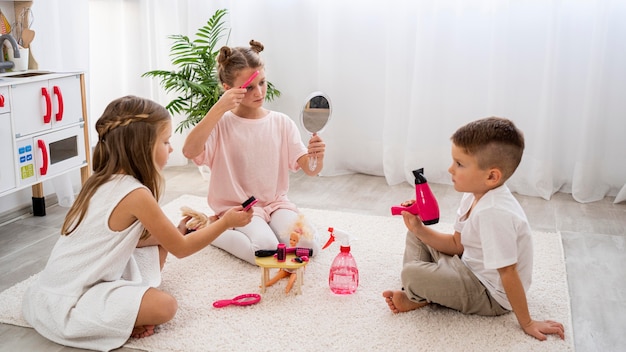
(318, 320)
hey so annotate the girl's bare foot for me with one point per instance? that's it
(142, 331)
(399, 302)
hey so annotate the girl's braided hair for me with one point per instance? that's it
(127, 134)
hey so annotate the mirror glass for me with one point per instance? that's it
(316, 112)
(315, 116)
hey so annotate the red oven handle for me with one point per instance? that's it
(44, 153)
(57, 92)
(48, 116)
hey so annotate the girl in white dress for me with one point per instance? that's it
(99, 285)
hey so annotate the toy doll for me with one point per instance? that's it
(197, 219)
(298, 230)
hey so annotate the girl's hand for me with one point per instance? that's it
(316, 146)
(231, 99)
(237, 217)
(182, 225)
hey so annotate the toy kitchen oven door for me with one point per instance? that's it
(46, 155)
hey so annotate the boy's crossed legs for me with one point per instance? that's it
(429, 276)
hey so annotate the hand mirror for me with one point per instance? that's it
(314, 117)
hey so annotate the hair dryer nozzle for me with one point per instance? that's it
(419, 176)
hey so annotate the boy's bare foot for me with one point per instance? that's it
(142, 331)
(399, 302)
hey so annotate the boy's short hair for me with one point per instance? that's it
(494, 141)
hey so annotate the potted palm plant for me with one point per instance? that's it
(195, 79)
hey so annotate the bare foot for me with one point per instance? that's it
(142, 331)
(399, 302)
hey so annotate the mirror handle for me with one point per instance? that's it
(313, 161)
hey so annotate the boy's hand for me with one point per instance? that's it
(408, 203)
(412, 222)
(539, 329)
(237, 217)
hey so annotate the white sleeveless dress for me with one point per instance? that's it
(89, 293)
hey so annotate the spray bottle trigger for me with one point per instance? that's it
(331, 239)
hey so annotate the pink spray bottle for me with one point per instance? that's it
(425, 202)
(343, 278)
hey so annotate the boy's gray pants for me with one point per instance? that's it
(434, 277)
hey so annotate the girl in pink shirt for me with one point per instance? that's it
(250, 151)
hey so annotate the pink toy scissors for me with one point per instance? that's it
(241, 300)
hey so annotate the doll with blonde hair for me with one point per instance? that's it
(299, 230)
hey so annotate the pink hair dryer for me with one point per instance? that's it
(425, 204)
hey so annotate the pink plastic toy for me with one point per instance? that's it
(245, 85)
(249, 203)
(241, 300)
(425, 204)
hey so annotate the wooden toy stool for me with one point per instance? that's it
(267, 263)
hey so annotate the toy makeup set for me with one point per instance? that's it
(343, 277)
(298, 251)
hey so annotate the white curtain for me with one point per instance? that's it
(554, 67)
(404, 75)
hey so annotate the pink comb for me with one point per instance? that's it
(245, 85)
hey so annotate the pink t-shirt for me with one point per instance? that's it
(252, 157)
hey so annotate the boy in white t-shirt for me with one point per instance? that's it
(485, 267)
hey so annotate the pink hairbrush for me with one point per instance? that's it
(241, 300)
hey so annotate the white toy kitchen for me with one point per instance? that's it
(43, 128)
(43, 115)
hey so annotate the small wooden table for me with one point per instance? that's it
(267, 263)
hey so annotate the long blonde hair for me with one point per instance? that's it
(127, 134)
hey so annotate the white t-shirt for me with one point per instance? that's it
(496, 234)
(252, 157)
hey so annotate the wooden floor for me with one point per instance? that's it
(594, 239)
